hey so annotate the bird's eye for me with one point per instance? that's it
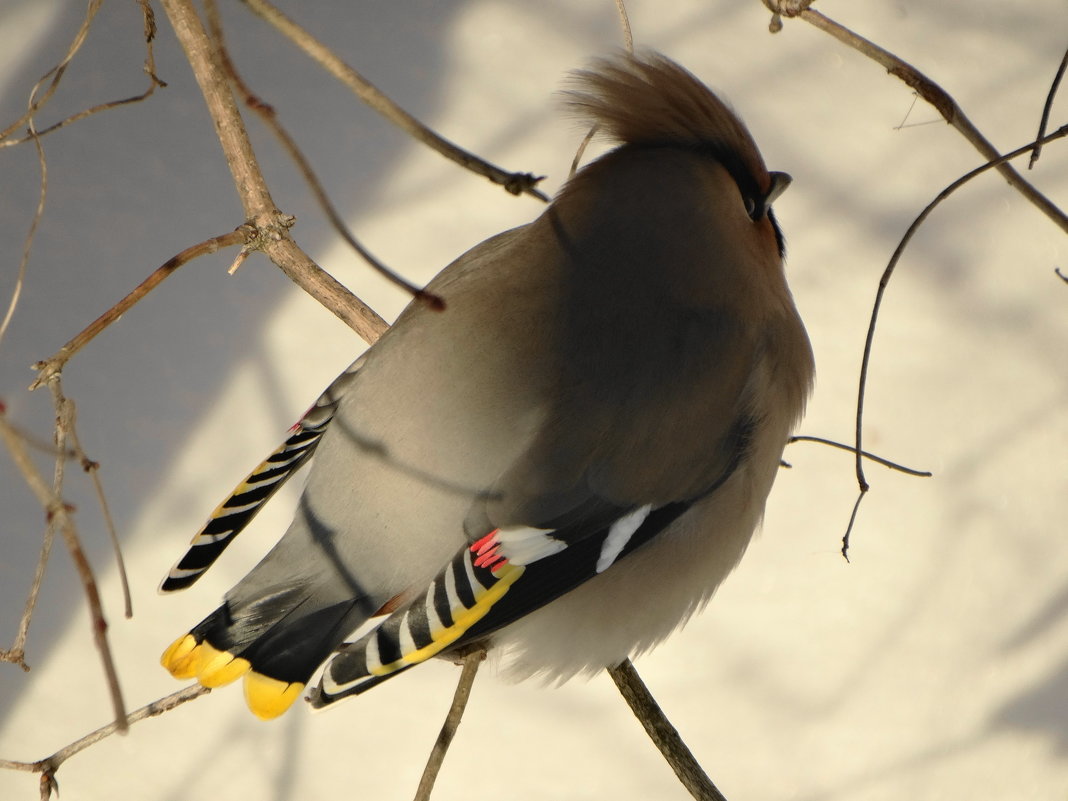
(758, 207)
(751, 208)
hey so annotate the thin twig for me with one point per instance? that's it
(877, 459)
(65, 425)
(664, 736)
(624, 24)
(269, 116)
(471, 662)
(953, 114)
(892, 265)
(49, 765)
(881, 291)
(16, 654)
(36, 442)
(628, 45)
(56, 73)
(1047, 107)
(928, 90)
(582, 149)
(514, 182)
(852, 522)
(149, 68)
(93, 469)
(57, 513)
(27, 244)
(88, 112)
(901, 125)
(54, 364)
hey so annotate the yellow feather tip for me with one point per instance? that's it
(178, 658)
(221, 669)
(268, 698)
(187, 659)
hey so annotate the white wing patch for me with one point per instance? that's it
(523, 545)
(619, 535)
(374, 661)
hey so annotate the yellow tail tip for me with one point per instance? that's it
(221, 668)
(268, 698)
(179, 659)
(187, 659)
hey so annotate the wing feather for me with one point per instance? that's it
(482, 595)
(233, 515)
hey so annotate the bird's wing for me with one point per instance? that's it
(232, 515)
(498, 579)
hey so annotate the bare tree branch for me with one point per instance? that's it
(471, 662)
(269, 116)
(57, 73)
(664, 736)
(927, 89)
(1047, 107)
(65, 428)
(48, 766)
(624, 24)
(27, 244)
(628, 45)
(16, 654)
(54, 364)
(515, 182)
(93, 469)
(877, 459)
(881, 291)
(58, 514)
(271, 226)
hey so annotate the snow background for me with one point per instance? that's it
(933, 666)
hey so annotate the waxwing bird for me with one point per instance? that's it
(564, 463)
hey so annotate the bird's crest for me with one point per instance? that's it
(649, 100)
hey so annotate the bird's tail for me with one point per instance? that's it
(275, 645)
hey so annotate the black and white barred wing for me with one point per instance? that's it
(500, 578)
(235, 513)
